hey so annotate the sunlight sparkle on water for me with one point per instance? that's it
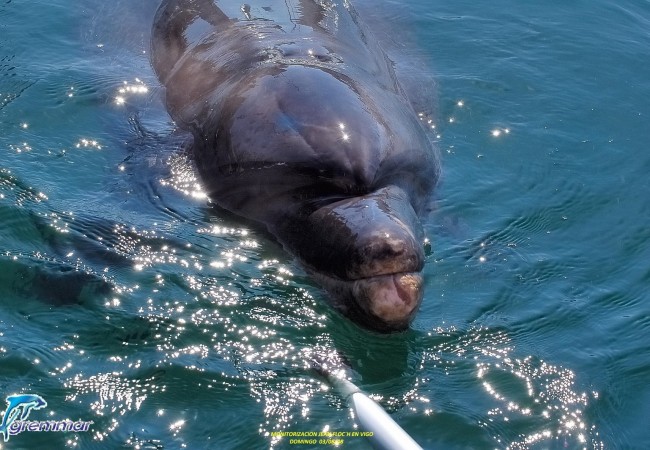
(21, 148)
(88, 143)
(175, 426)
(126, 90)
(549, 393)
(114, 392)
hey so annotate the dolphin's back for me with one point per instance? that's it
(198, 49)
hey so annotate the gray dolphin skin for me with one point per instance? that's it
(299, 124)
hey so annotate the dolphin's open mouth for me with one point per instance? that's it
(385, 303)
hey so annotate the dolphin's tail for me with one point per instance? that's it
(171, 21)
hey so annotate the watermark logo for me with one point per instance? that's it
(14, 419)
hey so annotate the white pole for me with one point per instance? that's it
(387, 435)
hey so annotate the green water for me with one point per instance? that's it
(126, 300)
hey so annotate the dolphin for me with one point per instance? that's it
(300, 124)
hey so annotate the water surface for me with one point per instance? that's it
(127, 300)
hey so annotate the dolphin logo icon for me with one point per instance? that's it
(19, 405)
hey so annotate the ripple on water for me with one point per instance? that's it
(203, 335)
(528, 402)
(12, 83)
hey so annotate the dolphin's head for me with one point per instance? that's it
(367, 253)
